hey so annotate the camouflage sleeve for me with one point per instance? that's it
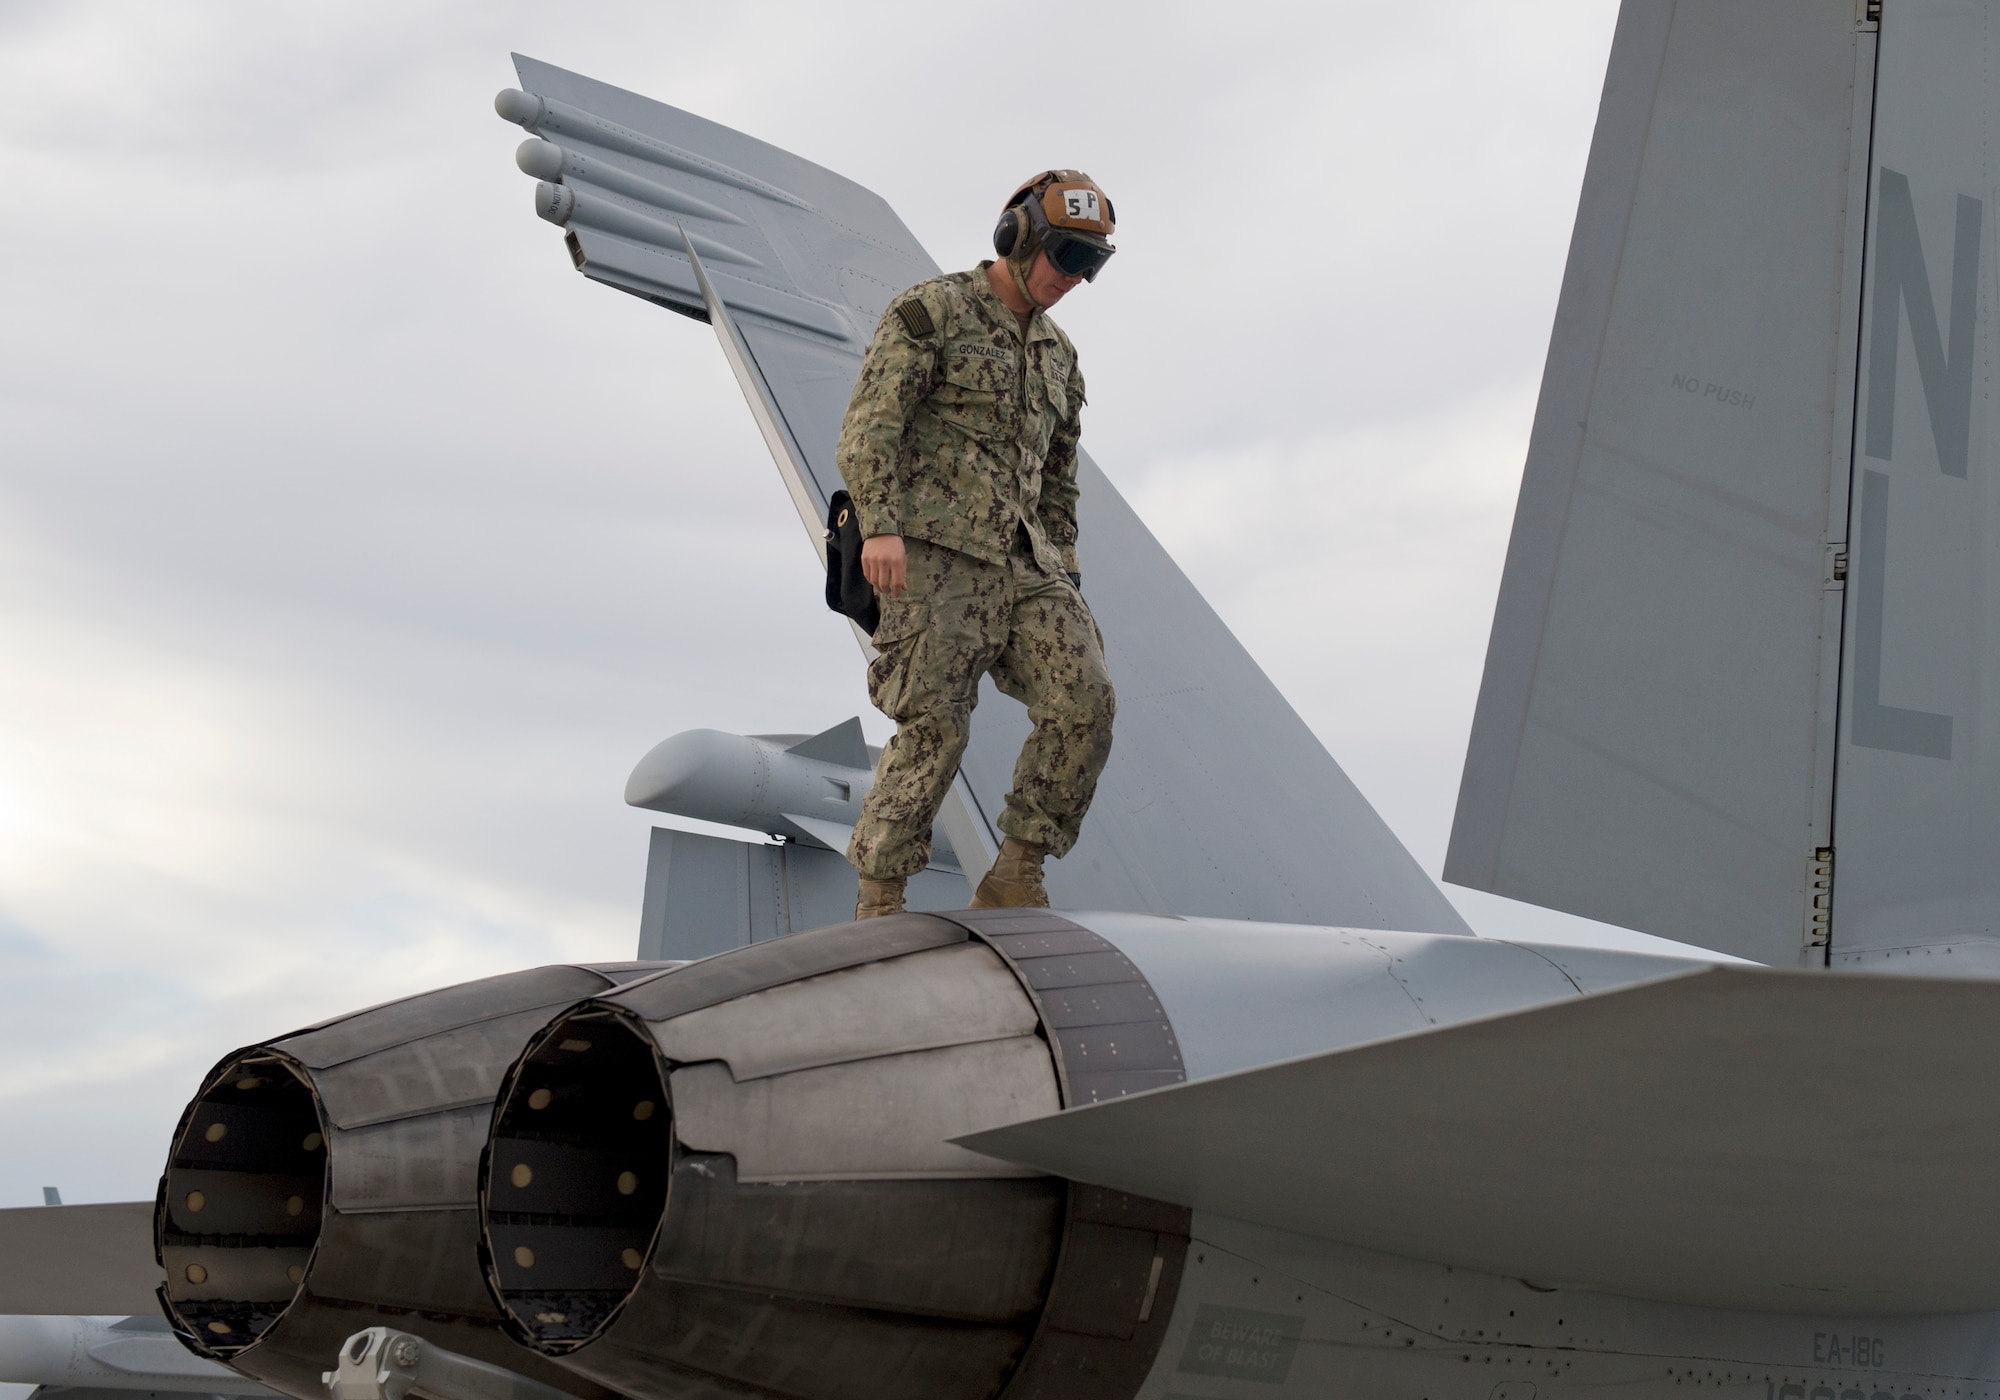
(898, 372)
(1058, 504)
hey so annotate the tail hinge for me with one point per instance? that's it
(1819, 898)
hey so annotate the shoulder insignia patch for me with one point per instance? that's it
(916, 318)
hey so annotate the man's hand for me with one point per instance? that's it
(885, 565)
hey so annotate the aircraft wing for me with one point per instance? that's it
(93, 1260)
(1218, 799)
(1734, 1137)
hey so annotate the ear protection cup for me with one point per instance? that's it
(1007, 233)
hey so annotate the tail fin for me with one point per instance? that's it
(1741, 581)
(1918, 783)
(1652, 744)
(1218, 799)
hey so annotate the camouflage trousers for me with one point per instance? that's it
(962, 618)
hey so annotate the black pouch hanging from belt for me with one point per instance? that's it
(847, 592)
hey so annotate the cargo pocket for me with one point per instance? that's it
(897, 639)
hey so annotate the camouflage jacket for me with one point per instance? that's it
(958, 429)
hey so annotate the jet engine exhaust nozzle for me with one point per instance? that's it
(741, 1176)
(576, 1178)
(240, 1201)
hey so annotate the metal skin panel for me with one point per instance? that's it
(1284, 991)
(774, 963)
(430, 1013)
(622, 972)
(885, 1118)
(431, 1160)
(1916, 884)
(1648, 740)
(948, 996)
(422, 1259)
(1079, 982)
(1340, 1321)
(1111, 1302)
(1122, 1255)
(1213, 782)
(694, 1345)
(974, 1251)
(94, 1260)
(1694, 1108)
(1600, 969)
(449, 1070)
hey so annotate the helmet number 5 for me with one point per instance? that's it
(1081, 204)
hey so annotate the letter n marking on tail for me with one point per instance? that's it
(1902, 282)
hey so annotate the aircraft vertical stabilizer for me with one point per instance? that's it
(1916, 884)
(1653, 740)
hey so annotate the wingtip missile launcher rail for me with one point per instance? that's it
(626, 199)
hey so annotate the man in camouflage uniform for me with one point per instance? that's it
(959, 450)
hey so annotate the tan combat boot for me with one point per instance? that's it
(879, 897)
(1015, 881)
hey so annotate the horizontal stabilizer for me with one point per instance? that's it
(94, 1260)
(1736, 1137)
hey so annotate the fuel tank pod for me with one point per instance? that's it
(737, 1177)
(327, 1181)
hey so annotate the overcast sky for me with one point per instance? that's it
(353, 547)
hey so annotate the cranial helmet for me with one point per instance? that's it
(1062, 213)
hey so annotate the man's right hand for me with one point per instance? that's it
(885, 564)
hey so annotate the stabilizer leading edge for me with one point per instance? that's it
(1218, 800)
(1706, 1139)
